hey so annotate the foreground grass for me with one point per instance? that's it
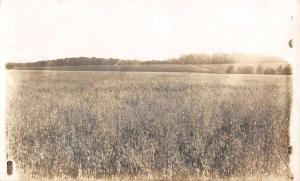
(155, 125)
(136, 178)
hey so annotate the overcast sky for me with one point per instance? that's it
(142, 29)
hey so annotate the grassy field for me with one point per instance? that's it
(132, 68)
(149, 125)
(193, 68)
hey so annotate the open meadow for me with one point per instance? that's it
(156, 125)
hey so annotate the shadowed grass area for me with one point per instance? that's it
(157, 125)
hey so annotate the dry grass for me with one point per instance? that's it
(153, 125)
(135, 68)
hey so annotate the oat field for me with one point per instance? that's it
(150, 125)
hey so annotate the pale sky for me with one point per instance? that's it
(142, 29)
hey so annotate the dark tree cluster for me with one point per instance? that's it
(247, 69)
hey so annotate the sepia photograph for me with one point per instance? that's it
(149, 90)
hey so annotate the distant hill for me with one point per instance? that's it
(218, 58)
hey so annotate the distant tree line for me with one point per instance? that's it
(247, 69)
(78, 61)
(217, 58)
(224, 58)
